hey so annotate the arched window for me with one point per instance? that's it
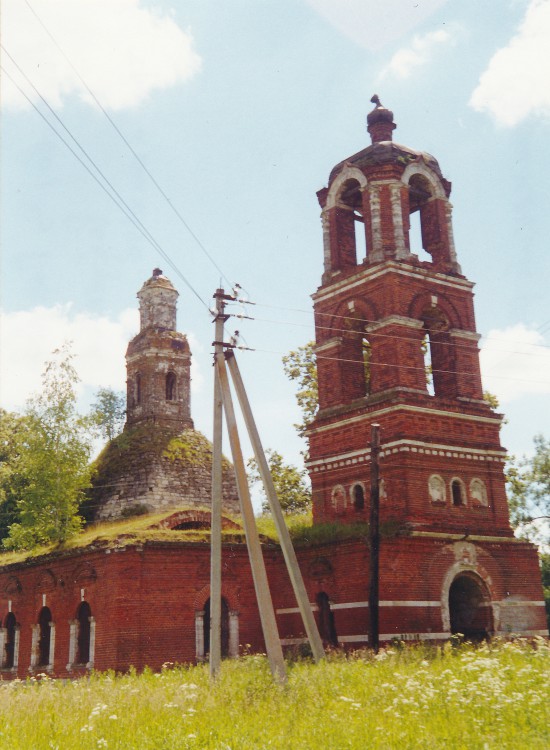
(458, 492)
(338, 498)
(138, 389)
(44, 636)
(327, 628)
(355, 354)
(436, 488)
(9, 644)
(170, 386)
(358, 497)
(348, 234)
(83, 617)
(224, 628)
(439, 354)
(478, 492)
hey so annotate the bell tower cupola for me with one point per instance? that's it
(158, 361)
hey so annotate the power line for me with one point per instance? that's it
(129, 146)
(118, 200)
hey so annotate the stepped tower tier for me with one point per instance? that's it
(158, 361)
(396, 344)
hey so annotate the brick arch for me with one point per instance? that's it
(422, 169)
(363, 310)
(347, 174)
(230, 594)
(423, 301)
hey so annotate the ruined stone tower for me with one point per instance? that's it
(158, 361)
(160, 461)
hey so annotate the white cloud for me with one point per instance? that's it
(28, 338)
(374, 23)
(515, 363)
(122, 51)
(420, 52)
(515, 84)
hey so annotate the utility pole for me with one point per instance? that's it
(275, 507)
(374, 538)
(216, 518)
(259, 575)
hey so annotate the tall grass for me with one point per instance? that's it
(495, 696)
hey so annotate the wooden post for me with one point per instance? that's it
(216, 510)
(259, 575)
(374, 538)
(275, 507)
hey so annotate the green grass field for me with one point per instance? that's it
(493, 696)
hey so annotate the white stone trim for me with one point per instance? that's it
(293, 641)
(73, 631)
(35, 635)
(330, 344)
(368, 274)
(360, 605)
(404, 407)
(399, 320)
(325, 224)
(512, 633)
(199, 635)
(52, 647)
(415, 636)
(376, 253)
(397, 220)
(353, 638)
(516, 603)
(459, 333)
(91, 655)
(348, 172)
(16, 640)
(3, 634)
(421, 168)
(407, 446)
(233, 634)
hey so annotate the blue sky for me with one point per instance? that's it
(239, 109)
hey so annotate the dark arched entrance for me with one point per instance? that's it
(470, 607)
(224, 628)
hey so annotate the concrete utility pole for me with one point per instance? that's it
(275, 507)
(374, 537)
(216, 518)
(259, 575)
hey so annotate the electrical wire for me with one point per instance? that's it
(118, 200)
(129, 146)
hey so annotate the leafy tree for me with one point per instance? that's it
(51, 460)
(528, 482)
(109, 412)
(11, 483)
(300, 365)
(290, 484)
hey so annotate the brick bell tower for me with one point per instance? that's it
(385, 318)
(158, 361)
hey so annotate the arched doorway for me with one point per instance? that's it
(327, 627)
(470, 607)
(224, 628)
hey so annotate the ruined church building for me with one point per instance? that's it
(396, 345)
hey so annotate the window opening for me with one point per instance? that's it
(457, 492)
(428, 369)
(327, 628)
(366, 352)
(224, 628)
(83, 641)
(170, 386)
(360, 237)
(9, 647)
(415, 237)
(44, 623)
(358, 497)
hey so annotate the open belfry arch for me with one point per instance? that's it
(396, 345)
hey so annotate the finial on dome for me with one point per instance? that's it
(380, 122)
